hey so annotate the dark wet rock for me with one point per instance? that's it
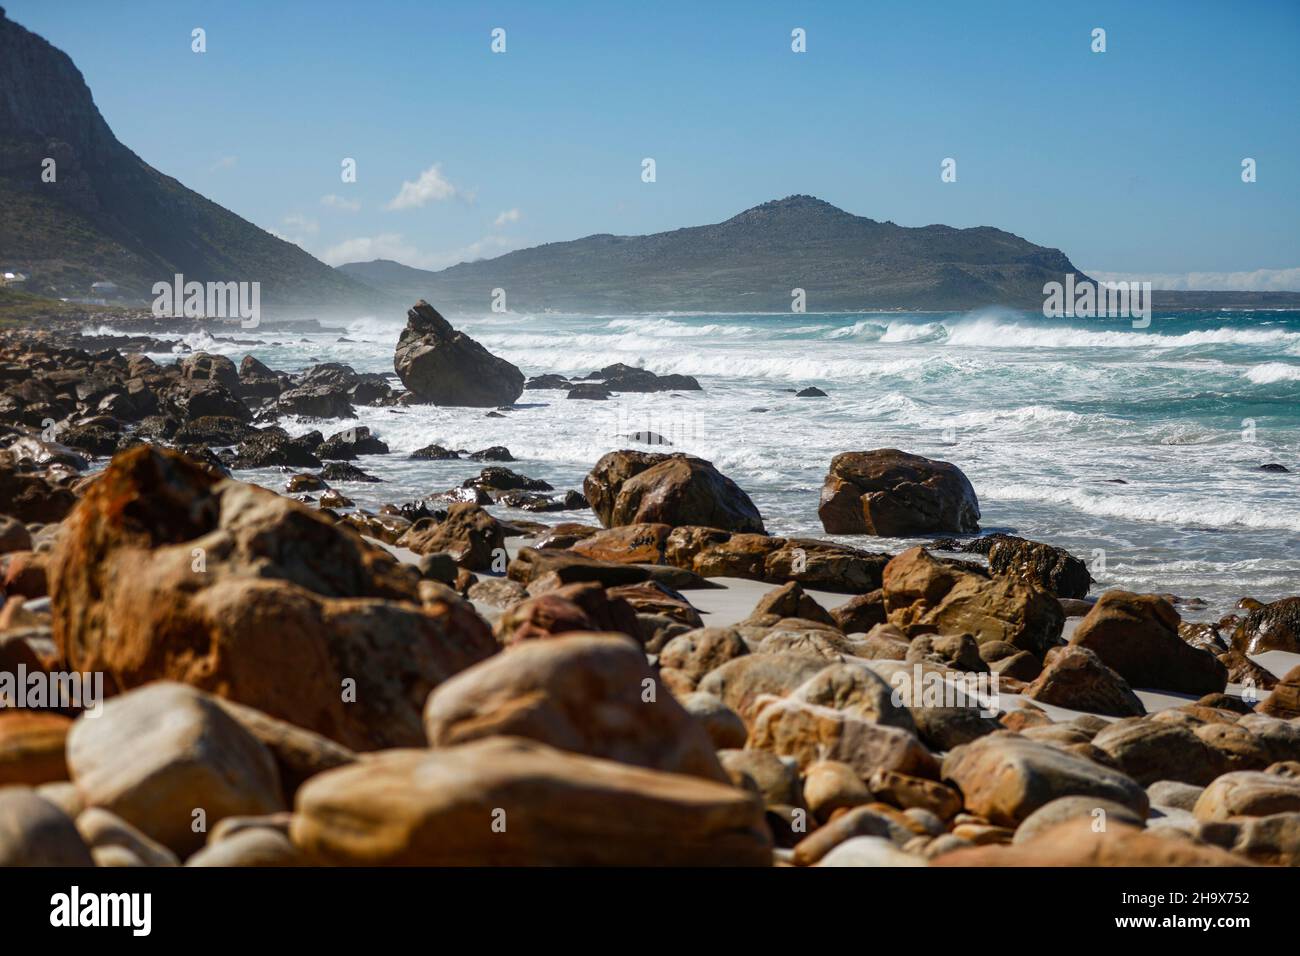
(549, 381)
(205, 367)
(256, 380)
(316, 401)
(811, 391)
(350, 443)
(492, 453)
(590, 391)
(1275, 468)
(1270, 627)
(635, 487)
(97, 440)
(1053, 569)
(343, 471)
(216, 431)
(495, 478)
(204, 399)
(434, 453)
(297, 484)
(272, 447)
(446, 367)
(570, 501)
(890, 493)
(627, 378)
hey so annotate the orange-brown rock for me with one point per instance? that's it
(1136, 635)
(629, 544)
(1284, 702)
(924, 595)
(468, 533)
(635, 487)
(165, 572)
(585, 606)
(507, 801)
(1074, 843)
(809, 732)
(31, 747)
(587, 693)
(890, 493)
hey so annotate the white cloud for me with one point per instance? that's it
(338, 202)
(302, 224)
(432, 186)
(392, 245)
(389, 245)
(1258, 280)
(225, 162)
(510, 215)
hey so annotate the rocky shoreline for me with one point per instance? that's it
(291, 680)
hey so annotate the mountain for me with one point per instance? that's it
(750, 262)
(111, 216)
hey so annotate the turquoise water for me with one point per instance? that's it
(1046, 417)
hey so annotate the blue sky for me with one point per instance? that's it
(1128, 160)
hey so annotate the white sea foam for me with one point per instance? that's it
(1144, 504)
(1270, 372)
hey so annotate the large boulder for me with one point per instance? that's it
(1005, 777)
(892, 494)
(170, 761)
(164, 572)
(514, 802)
(588, 693)
(925, 595)
(1136, 635)
(445, 367)
(638, 487)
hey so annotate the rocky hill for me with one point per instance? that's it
(111, 216)
(750, 262)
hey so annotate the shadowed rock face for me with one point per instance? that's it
(1137, 636)
(165, 572)
(446, 367)
(564, 809)
(636, 487)
(890, 493)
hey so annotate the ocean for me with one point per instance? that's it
(1139, 450)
